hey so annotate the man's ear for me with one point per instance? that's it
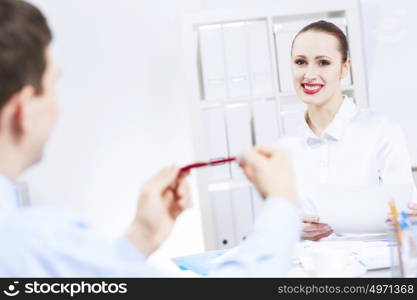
(345, 68)
(21, 107)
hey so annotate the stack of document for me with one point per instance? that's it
(361, 256)
(351, 209)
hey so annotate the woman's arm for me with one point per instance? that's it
(394, 160)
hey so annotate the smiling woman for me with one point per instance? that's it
(338, 143)
(320, 61)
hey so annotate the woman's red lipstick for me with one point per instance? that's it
(314, 88)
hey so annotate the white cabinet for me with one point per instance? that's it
(238, 133)
(239, 83)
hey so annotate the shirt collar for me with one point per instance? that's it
(337, 126)
(9, 195)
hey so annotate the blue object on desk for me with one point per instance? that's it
(198, 263)
(404, 220)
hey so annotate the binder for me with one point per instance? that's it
(257, 202)
(239, 134)
(284, 36)
(215, 134)
(265, 122)
(293, 119)
(212, 62)
(223, 217)
(236, 59)
(341, 23)
(259, 58)
(242, 212)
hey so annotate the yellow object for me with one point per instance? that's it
(394, 212)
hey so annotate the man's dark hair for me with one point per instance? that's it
(24, 37)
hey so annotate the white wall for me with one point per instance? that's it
(391, 42)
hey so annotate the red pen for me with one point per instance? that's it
(213, 162)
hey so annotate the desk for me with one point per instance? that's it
(302, 258)
(380, 273)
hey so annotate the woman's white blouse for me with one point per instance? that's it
(359, 147)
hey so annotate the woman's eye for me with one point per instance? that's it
(324, 62)
(299, 62)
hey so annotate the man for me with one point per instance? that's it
(49, 242)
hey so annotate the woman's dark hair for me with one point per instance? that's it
(332, 29)
(24, 38)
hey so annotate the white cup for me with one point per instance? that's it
(328, 262)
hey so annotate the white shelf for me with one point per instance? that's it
(228, 101)
(227, 185)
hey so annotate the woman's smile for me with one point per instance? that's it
(312, 88)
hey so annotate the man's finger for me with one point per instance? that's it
(185, 203)
(311, 219)
(183, 174)
(250, 157)
(183, 189)
(317, 235)
(412, 206)
(316, 227)
(266, 151)
(165, 178)
(323, 235)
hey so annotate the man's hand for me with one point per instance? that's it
(313, 230)
(164, 197)
(270, 171)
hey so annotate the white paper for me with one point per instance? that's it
(372, 255)
(359, 209)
